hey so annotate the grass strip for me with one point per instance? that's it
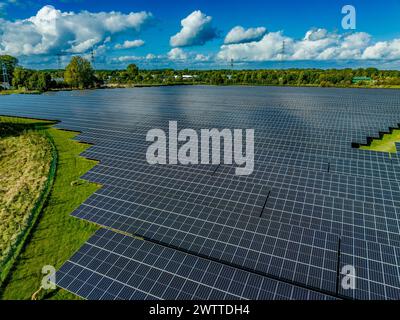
(57, 235)
(386, 144)
(25, 160)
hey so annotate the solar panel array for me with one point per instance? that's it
(312, 206)
(115, 266)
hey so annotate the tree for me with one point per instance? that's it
(33, 80)
(20, 77)
(43, 81)
(132, 71)
(217, 79)
(10, 62)
(79, 73)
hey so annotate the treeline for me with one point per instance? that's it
(79, 74)
(288, 77)
(32, 80)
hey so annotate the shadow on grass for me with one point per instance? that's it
(14, 129)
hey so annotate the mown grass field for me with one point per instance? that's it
(57, 235)
(386, 144)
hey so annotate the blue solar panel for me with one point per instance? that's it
(312, 205)
(114, 266)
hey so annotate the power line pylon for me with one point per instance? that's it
(92, 56)
(59, 60)
(6, 79)
(283, 50)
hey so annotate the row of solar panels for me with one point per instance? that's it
(383, 125)
(113, 266)
(116, 266)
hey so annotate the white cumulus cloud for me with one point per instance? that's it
(317, 44)
(240, 35)
(177, 54)
(196, 30)
(51, 31)
(150, 56)
(268, 48)
(201, 57)
(128, 44)
(127, 58)
(389, 50)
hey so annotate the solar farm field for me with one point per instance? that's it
(314, 204)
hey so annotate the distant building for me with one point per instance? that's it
(58, 79)
(359, 79)
(186, 77)
(5, 86)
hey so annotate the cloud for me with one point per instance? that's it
(389, 50)
(201, 57)
(130, 44)
(51, 31)
(268, 48)
(177, 54)
(240, 35)
(317, 44)
(127, 58)
(196, 30)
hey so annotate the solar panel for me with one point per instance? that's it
(376, 267)
(114, 266)
(298, 254)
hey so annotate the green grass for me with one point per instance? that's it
(19, 91)
(57, 235)
(26, 155)
(386, 144)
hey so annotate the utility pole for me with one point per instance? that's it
(6, 80)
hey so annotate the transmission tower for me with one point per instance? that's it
(59, 61)
(6, 80)
(92, 57)
(229, 76)
(283, 50)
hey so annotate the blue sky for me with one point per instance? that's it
(201, 33)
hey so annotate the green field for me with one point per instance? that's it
(57, 235)
(386, 144)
